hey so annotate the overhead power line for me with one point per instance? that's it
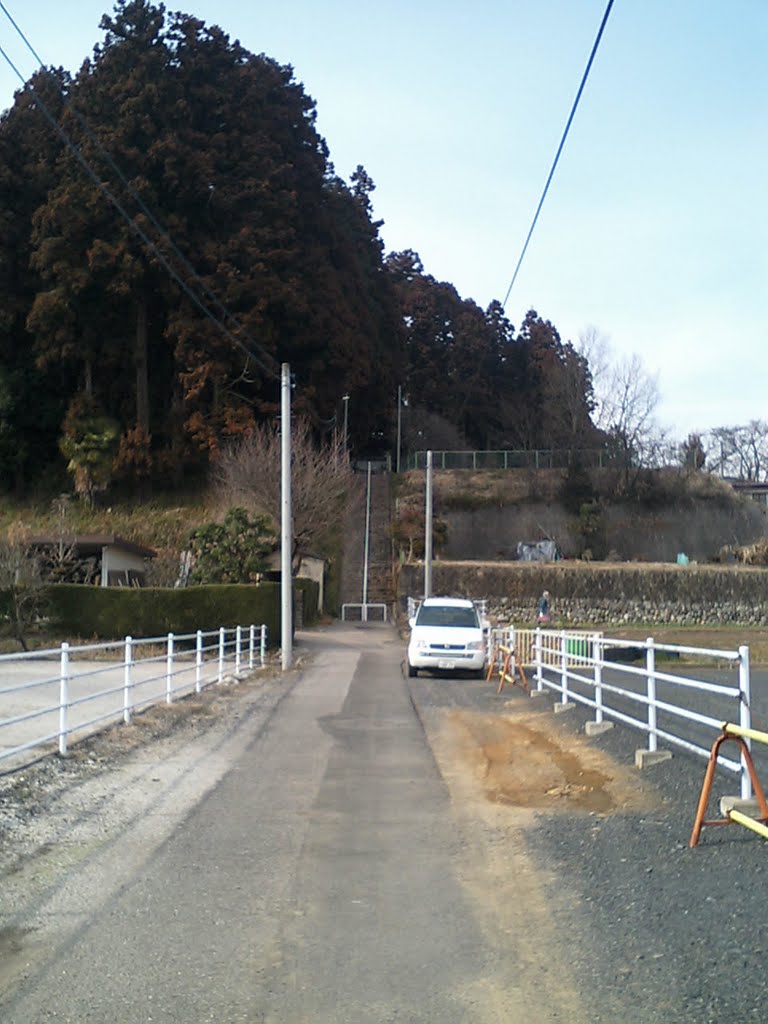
(253, 350)
(584, 78)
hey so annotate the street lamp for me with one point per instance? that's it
(345, 400)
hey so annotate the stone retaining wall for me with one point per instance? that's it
(598, 593)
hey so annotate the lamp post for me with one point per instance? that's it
(345, 400)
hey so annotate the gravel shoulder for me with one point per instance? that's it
(654, 931)
(109, 806)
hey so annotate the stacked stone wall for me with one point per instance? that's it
(602, 593)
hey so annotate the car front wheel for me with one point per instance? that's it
(412, 672)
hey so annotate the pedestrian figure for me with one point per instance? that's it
(544, 610)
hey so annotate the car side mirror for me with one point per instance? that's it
(412, 621)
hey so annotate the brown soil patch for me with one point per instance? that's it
(526, 760)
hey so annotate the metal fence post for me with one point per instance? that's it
(221, 653)
(597, 659)
(169, 670)
(238, 648)
(263, 646)
(745, 716)
(564, 667)
(537, 658)
(63, 698)
(199, 661)
(251, 646)
(650, 667)
(127, 681)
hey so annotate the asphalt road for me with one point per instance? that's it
(321, 878)
(312, 863)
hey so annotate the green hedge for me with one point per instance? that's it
(114, 612)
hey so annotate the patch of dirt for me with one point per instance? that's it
(525, 760)
(504, 770)
(501, 769)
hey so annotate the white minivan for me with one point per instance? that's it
(447, 634)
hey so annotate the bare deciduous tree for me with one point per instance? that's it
(629, 406)
(626, 397)
(742, 451)
(22, 580)
(595, 348)
(248, 475)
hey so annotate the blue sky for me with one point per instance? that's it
(655, 230)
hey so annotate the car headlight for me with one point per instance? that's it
(475, 645)
(421, 645)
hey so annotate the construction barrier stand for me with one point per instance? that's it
(737, 734)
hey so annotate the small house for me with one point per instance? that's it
(311, 567)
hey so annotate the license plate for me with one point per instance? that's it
(445, 663)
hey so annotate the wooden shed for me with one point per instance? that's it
(102, 559)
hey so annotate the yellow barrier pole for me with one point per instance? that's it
(750, 734)
(750, 823)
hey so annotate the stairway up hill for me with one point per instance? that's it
(381, 584)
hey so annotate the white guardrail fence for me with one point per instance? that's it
(51, 697)
(678, 707)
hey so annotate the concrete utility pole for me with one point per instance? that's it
(286, 532)
(428, 532)
(399, 433)
(366, 545)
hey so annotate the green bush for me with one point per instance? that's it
(234, 551)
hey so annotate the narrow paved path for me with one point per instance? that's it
(323, 878)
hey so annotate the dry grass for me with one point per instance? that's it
(164, 522)
(720, 638)
(466, 488)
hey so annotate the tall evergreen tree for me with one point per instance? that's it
(104, 288)
(32, 400)
(221, 145)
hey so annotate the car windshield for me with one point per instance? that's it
(446, 615)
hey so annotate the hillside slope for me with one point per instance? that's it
(488, 512)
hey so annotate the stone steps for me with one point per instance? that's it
(380, 582)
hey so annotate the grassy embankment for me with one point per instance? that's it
(162, 523)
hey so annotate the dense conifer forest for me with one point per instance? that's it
(172, 228)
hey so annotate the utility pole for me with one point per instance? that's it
(428, 532)
(366, 546)
(399, 410)
(286, 532)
